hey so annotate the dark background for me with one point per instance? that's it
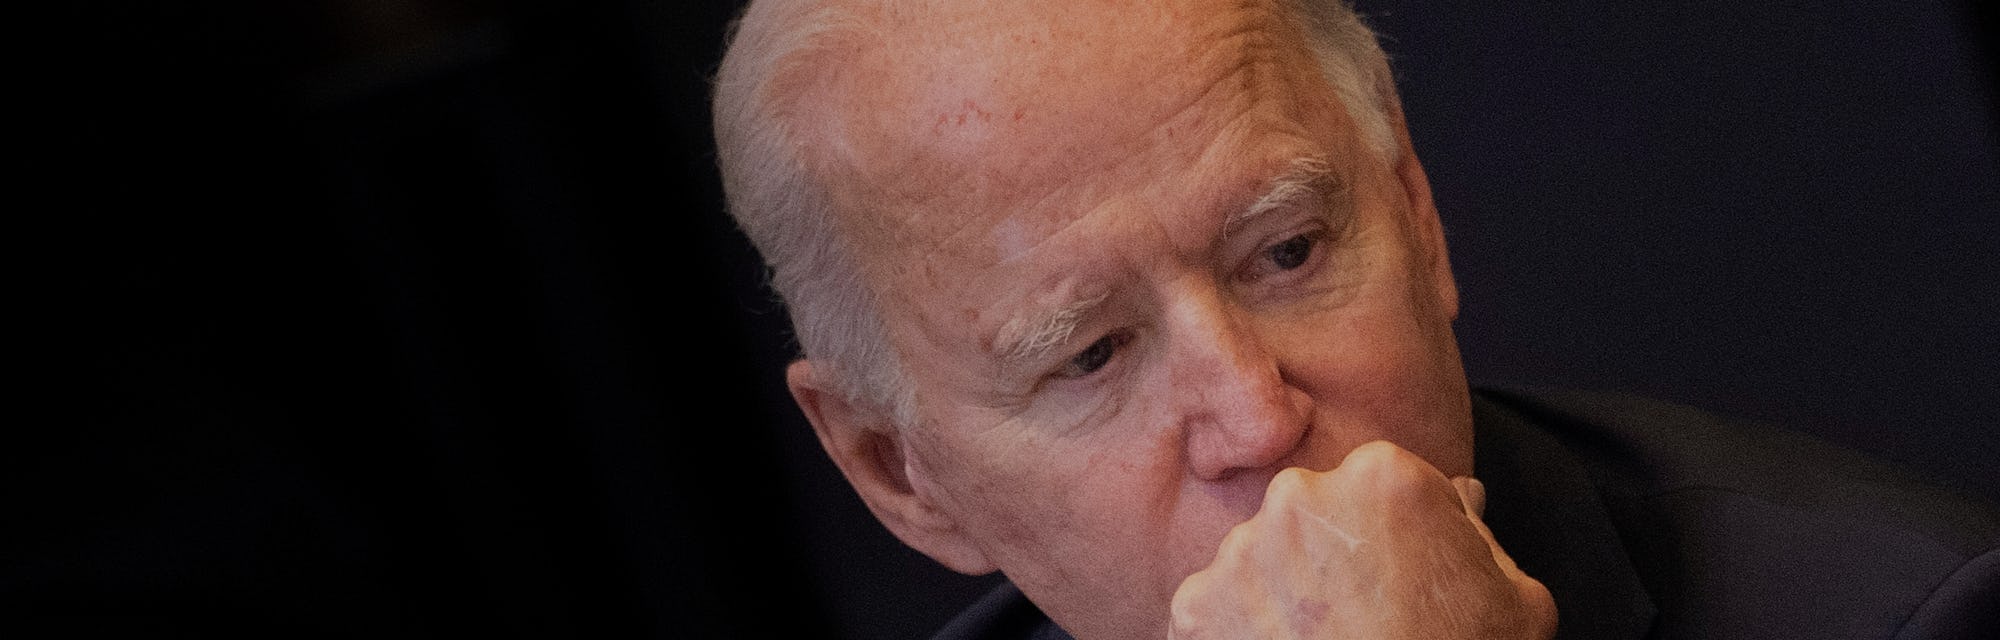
(384, 318)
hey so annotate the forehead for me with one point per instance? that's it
(953, 120)
(964, 150)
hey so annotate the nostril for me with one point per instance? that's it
(1240, 411)
(1225, 475)
(1225, 439)
(1301, 404)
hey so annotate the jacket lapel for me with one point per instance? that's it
(1551, 519)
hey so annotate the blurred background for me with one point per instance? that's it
(395, 318)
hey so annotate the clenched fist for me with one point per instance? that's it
(1381, 547)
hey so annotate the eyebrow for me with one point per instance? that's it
(1304, 179)
(1028, 338)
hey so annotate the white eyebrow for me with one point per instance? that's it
(1303, 179)
(1026, 338)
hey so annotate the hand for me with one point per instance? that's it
(1381, 547)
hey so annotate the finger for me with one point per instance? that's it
(1541, 605)
(1471, 493)
(1534, 595)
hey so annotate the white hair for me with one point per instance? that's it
(760, 114)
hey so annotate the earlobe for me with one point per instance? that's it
(874, 456)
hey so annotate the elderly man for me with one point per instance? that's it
(1146, 306)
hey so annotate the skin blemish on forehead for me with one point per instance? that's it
(970, 109)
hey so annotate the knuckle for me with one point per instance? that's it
(1191, 598)
(1372, 458)
(1288, 482)
(1396, 473)
(1238, 543)
(1288, 487)
(1192, 587)
(1540, 606)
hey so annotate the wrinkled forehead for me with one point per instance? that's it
(974, 120)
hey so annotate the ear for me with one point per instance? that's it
(1424, 221)
(875, 457)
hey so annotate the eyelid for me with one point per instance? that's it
(1251, 268)
(1119, 340)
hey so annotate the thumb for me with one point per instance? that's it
(1471, 493)
(1533, 593)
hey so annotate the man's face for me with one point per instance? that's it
(1136, 261)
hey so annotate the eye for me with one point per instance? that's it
(1287, 255)
(1093, 357)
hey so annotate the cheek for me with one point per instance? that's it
(1382, 368)
(1014, 479)
(1090, 509)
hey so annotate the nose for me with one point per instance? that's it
(1238, 411)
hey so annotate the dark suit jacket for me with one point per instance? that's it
(1650, 520)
